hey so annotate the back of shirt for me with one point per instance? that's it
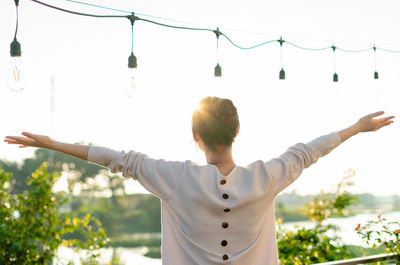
(208, 218)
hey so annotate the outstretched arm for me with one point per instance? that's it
(160, 177)
(42, 141)
(286, 168)
(366, 124)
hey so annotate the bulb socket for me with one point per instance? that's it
(335, 77)
(218, 71)
(376, 75)
(282, 74)
(15, 48)
(132, 61)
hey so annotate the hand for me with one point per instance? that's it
(30, 139)
(369, 124)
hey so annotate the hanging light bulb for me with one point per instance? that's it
(132, 65)
(376, 75)
(282, 74)
(217, 69)
(335, 75)
(15, 75)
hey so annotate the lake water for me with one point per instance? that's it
(135, 256)
(126, 256)
(347, 225)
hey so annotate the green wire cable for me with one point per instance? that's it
(76, 13)
(191, 28)
(387, 50)
(93, 5)
(307, 49)
(246, 48)
(174, 27)
(354, 51)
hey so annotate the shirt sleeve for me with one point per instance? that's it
(286, 168)
(159, 177)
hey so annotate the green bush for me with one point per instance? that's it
(319, 243)
(382, 233)
(32, 227)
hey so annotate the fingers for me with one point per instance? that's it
(386, 119)
(383, 124)
(28, 139)
(18, 140)
(15, 138)
(29, 135)
(10, 140)
(376, 114)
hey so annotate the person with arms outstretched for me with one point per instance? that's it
(219, 213)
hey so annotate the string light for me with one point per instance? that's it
(335, 75)
(282, 74)
(15, 74)
(132, 60)
(217, 70)
(376, 75)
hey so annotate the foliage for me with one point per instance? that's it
(382, 232)
(289, 214)
(32, 226)
(327, 205)
(319, 243)
(307, 246)
(359, 251)
(396, 203)
(142, 210)
(368, 201)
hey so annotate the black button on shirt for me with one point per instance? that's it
(224, 243)
(227, 210)
(223, 182)
(225, 225)
(225, 257)
(225, 196)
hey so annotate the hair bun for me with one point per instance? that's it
(216, 121)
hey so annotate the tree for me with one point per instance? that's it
(317, 244)
(396, 203)
(32, 227)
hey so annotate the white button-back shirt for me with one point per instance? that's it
(208, 218)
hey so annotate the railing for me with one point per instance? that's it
(362, 260)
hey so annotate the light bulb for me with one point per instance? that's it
(282, 74)
(132, 67)
(16, 75)
(335, 77)
(218, 71)
(133, 82)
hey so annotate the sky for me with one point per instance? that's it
(87, 57)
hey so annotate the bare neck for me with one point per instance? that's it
(221, 157)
